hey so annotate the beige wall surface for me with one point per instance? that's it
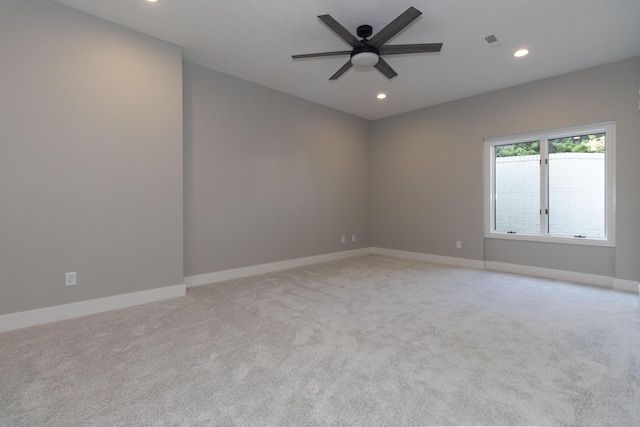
(268, 177)
(90, 157)
(427, 170)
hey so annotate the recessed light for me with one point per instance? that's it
(381, 96)
(152, 1)
(521, 52)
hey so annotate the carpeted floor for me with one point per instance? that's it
(371, 340)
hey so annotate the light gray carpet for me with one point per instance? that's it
(365, 341)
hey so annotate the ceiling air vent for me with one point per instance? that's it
(491, 38)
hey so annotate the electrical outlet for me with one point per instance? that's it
(458, 244)
(70, 279)
(344, 239)
(353, 237)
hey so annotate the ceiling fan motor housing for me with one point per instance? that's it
(364, 48)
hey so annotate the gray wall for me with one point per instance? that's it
(91, 166)
(422, 202)
(90, 157)
(268, 177)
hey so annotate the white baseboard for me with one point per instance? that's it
(237, 273)
(548, 273)
(25, 319)
(626, 285)
(40, 316)
(437, 259)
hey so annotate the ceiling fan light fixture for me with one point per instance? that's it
(365, 59)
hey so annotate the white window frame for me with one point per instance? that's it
(543, 137)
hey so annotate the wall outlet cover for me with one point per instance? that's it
(70, 279)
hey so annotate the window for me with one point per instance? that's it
(552, 185)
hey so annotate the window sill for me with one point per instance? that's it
(551, 239)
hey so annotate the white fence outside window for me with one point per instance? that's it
(576, 182)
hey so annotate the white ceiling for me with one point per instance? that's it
(254, 40)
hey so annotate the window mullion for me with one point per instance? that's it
(544, 186)
(493, 188)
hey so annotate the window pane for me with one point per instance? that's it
(517, 187)
(577, 185)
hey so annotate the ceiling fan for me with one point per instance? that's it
(367, 52)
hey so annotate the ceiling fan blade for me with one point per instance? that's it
(340, 30)
(385, 69)
(397, 25)
(316, 55)
(342, 70)
(397, 49)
